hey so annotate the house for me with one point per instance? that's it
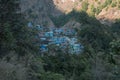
(73, 41)
(42, 38)
(49, 34)
(30, 24)
(58, 31)
(39, 27)
(76, 47)
(69, 32)
(63, 39)
(46, 41)
(66, 32)
(56, 40)
(67, 39)
(43, 48)
(59, 41)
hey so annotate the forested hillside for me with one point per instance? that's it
(32, 35)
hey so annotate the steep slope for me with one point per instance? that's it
(38, 11)
(107, 11)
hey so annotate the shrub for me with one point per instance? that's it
(84, 6)
(114, 4)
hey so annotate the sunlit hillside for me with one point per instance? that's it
(107, 11)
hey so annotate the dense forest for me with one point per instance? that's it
(20, 58)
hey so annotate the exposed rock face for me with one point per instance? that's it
(106, 17)
(65, 5)
(38, 11)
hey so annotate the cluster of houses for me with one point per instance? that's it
(62, 37)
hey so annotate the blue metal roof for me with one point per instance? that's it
(30, 24)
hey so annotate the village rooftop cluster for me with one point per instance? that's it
(64, 38)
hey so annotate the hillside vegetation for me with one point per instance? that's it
(20, 55)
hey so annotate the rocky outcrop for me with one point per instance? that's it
(39, 11)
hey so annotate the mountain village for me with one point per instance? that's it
(64, 38)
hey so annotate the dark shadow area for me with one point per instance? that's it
(116, 28)
(81, 17)
(37, 11)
